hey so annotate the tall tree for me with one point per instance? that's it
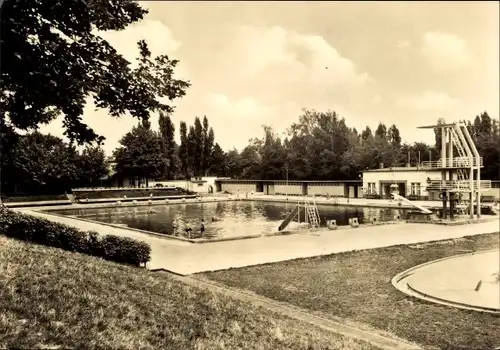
(487, 141)
(92, 166)
(192, 155)
(249, 162)
(183, 151)
(233, 166)
(140, 154)
(271, 156)
(381, 131)
(394, 136)
(53, 58)
(198, 147)
(208, 145)
(167, 135)
(43, 164)
(217, 165)
(367, 133)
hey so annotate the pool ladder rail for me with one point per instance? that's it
(312, 213)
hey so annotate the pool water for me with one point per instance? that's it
(232, 219)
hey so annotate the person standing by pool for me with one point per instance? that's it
(202, 227)
(175, 227)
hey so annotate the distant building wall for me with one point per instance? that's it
(292, 188)
(203, 184)
(199, 184)
(280, 187)
(235, 186)
(494, 191)
(335, 189)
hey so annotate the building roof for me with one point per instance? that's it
(399, 169)
(289, 180)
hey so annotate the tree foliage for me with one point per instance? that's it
(53, 59)
(168, 145)
(41, 164)
(183, 151)
(92, 166)
(320, 146)
(140, 154)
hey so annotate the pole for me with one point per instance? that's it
(418, 158)
(286, 169)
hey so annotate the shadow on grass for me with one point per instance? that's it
(52, 298)
(357, 286)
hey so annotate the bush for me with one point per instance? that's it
(45, 232)
(82, 195)
(34, 198)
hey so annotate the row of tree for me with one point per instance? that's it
(145, 153)
(36, 163)
(52, 73)
(320, 146)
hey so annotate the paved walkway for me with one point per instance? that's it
(438, 281)
(187, 258)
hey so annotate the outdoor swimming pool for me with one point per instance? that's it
(233, 218)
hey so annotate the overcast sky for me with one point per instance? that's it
(407, 63)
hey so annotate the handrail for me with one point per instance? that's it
(458, 184)
(458, 162)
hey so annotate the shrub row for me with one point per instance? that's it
(34, 198)
(45, 232)
(82, 195)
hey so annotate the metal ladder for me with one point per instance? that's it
(312, 213)
(461, 173)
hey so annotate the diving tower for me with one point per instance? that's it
(460, 165)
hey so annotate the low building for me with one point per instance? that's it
(343, 188)
(409, 182)
(196, 184)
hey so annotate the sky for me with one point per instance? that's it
(256, 63)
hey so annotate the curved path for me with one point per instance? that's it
(468, 281)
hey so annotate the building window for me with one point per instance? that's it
(415, 189)
(371, 188)
(199, 185)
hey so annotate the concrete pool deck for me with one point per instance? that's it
(474, 287)
(337, 201)
(186, 258)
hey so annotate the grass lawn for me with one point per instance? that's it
(52, 298)
(356, 286)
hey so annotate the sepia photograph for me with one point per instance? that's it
(249, 175)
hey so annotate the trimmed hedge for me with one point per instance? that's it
(45, 232)
(137, 193)
(34, 198)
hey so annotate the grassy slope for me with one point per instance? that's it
(50, 297)
(357, 286)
